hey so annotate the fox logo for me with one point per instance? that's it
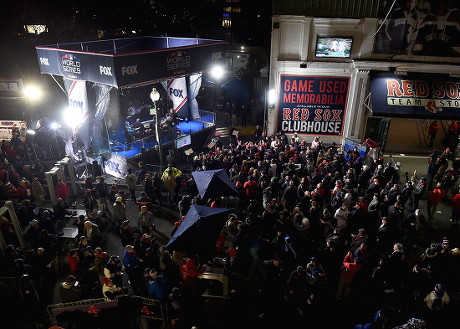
(432, 107)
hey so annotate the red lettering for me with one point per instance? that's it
(451, 90)
(336, 115)
(407, 87)
(343, 87)
(324, 99)
(326, 115)
(322, 86)
(305, 114)
(318, 115)
(438, 90)
(287, 85)
(294, 85)
(330, 86)
(286, 114)
(310, 86)
(287, 98)
(295, 115)
(421, 88)
(393, 88)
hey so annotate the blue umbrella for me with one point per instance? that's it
(213, 183)
(199, 231)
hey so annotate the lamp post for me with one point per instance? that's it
(155, 97)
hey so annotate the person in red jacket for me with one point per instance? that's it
(73, 260)
(432, 131)
(349, 269)
(189, 274)
(371, 148)
(435, 198)
(455, 208)
(250, 187)
(63, 191)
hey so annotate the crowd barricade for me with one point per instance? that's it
(151, 309)
(59, 171)
(9, 207)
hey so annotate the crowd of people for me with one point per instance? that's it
(313, 224)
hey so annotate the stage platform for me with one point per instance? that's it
(118, 140)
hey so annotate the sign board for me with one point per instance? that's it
(423, 96)
(116, 166)
(312, 105)
(350, 145)
(11, 89)
(128, 62)
(6, 129)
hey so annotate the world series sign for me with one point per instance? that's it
(312, 105)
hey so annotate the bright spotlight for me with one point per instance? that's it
(54, 125)
(217, 72)
(30, 132)
(32, 92)
(271, 96)
(73, 117)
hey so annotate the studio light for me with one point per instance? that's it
(217, 72)
(73, 117)
(32, 92)
(30, 132)
(54, 125)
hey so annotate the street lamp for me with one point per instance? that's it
(155, 97)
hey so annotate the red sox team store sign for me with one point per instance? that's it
(312, 105)
(426, 96)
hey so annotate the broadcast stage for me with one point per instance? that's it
(118, 141)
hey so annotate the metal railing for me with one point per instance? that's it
(207, 116)
(158, 312)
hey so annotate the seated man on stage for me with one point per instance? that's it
(139, 129)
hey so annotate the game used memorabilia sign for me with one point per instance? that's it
(312, 105)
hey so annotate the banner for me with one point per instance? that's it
(419, 27)
(130, 62)
(312, 105)
(350, 145)
(426, 96)
(78, 104)
(116, 166)
(177, 92)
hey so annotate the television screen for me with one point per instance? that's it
(183, 141)
(334, 47)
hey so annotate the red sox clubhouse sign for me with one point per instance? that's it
(312, 105)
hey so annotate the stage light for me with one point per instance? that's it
(32, 92)
(217, 72)
(54, 125)
(154, 95)
(73, 117)
(30, 132)
(271, 97)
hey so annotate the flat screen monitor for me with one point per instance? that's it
(183, 141)
(333, 47)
